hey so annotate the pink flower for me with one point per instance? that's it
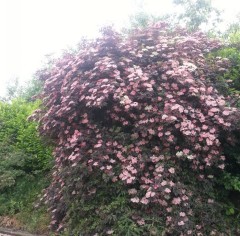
(198, 226)
(132, 191)
(164, 117)
(179, 154)
(182, 214)
(180, 223)
(222, 158)
(159, 169)
(204, 127)
(176, 201)
(221, 102)
(212, 130)
(130, 180)
(169, 218)
(135, 199)
(167, 133)
(167, 190)
(164, 182)
(151, 131)
(84, 121)
(150, 194)
(144, 201)
(214, 110)
(171, 170)
(226, 113)
(114, 179)
(177, 126)
(97, 145)
(210, 200)
(141, 222)
(186, 151)
(173, 118)
(222, 166)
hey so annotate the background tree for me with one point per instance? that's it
(197, 14)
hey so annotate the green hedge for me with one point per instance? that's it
(19, 133)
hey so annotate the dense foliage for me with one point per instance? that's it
(142, 113)
(19, 135)
(229, 84)
(24, 161)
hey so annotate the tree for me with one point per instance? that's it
(192, 14)
(139, 113)
(197, 13)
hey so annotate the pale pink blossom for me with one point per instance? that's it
(222, 166)
(210, 200)
(144, 201)
(164, 117)
(180, 223)
(168, 133)
(176, 201)
(167, 190)
(169, 209)
(97, 145)
(198, 226)
(183, 214)
(226, 113)
(164, 182)
(159, 169)
(150, 194)
(169, 218)
(204, 127)
(135, 199)
(151, 131)
(141, 222)
(179, 154)
(186, 151)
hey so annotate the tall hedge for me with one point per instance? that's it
(19, 135)
(139, 112)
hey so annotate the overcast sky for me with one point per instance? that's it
(30, 29)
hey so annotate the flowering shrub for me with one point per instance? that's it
(141, 111)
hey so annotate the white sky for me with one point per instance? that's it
(30, 29)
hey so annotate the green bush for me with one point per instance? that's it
(231, 78)
(24, 161)
(22, 136)
(228, 83)
(11, 165)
